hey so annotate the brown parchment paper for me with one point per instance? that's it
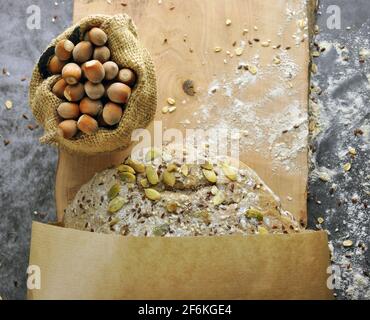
(81, 265)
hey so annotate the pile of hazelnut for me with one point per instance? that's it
(93, 88)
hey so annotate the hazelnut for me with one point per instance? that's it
(87, 124)
(94, 90)
(94, 71)
(101, 54)
(118, 92)
(90, 107)
(100, 119)
(98, 37)
(127, 76)
(68, 110)
(82, 52)
(67, 129)
(59, 87)
(86, 36)
(55, 65)
(111, 70)
(71, 73)
(74, 92)
(112, 113)
(63, 49)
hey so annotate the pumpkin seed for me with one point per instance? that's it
(144, 183)
(138, 166)
(184, 169)
(152, 194)
(171, 109)
(347, 243)
(116, 204)
(114, 221)
(210, 175)
(171, 167)
(219, 198)
(214, 190)
(204, 215)
(8, 104)
(252, 69)
(254, 213)
(352, 151)
(262, 230)
(169, 178)
(151, 174)
(127, 177)
(161, 230)
(217, 49)
(314, 68)
(229, 172)
(207, 165)
(114, 191)
(152, 154)
(125, 168)
(171, 207)
(239, 51)
(347, 167)
(171, 101)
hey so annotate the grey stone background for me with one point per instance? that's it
(27, 170)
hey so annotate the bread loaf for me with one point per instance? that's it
(163, 196)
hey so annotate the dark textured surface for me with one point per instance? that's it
(343, 105)
(27, 169)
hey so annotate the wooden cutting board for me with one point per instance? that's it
(269, 107)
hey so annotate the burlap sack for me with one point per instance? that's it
(126, 51)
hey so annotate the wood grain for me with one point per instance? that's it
(181, 36)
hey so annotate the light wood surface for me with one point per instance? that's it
(202, 24)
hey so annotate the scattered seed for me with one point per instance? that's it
(171, 101)
(352, 151)
(320, 220)
(8, 104)
(347, 167)
(171, 109)
(188, 87)
(252, 69)
(239, 51)
(314, 68)
(228, 22)
(265, 44)
(347, 243)
(165, 109)
(245, 31)
(276, 60)
(6, 142)
(217, 49)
